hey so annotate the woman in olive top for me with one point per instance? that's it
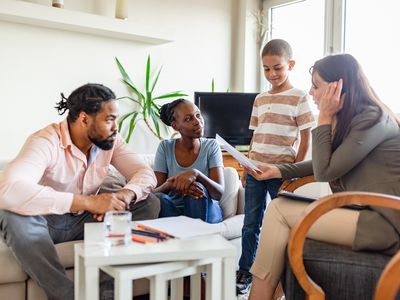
(356, 147)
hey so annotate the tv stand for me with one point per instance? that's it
(229, 161)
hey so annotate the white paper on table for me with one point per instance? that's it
(243, 160)
(182, 227)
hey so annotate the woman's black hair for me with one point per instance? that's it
(167, 111)
(87, 98)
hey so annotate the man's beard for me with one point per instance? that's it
(106, 144)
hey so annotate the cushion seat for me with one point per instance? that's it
(337, 270)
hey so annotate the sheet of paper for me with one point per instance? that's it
(182, 227)
(243, 160)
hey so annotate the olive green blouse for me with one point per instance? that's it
(368, 160)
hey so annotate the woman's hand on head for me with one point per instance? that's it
(265, 172)
(331, 101)
(182, 181)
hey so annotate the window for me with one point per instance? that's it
(367, 29)
(372, 37)
(302, 25)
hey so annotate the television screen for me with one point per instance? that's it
(227, 114)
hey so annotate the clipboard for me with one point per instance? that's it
(302, 198)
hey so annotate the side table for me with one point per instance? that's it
(93, 254)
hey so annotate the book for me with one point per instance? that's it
(178, 227)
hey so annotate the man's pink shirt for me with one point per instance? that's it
(50, 169)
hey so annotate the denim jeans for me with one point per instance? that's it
(174, 204)
(255, 197)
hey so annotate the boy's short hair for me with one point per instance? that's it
(278, 47)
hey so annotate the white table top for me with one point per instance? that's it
(95, 252)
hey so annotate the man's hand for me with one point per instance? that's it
(126, 195)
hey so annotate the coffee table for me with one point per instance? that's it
(93, 254)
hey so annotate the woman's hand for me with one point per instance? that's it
(331, 102)
(166, 186)
(195, 191)
(183, 181)
(266, 172)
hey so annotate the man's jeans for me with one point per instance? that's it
(31, 239)
(174, 204)
(254, 207)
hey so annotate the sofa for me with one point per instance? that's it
(15, 283)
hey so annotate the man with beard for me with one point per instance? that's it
(50, 189)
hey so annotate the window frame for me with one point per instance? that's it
(334, 27)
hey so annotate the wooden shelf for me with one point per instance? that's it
(69, 20)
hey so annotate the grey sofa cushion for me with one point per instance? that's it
(342, 273)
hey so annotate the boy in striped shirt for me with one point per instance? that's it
(279, 117)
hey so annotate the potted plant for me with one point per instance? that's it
(147, 106)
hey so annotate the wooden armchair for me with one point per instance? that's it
(339, 272)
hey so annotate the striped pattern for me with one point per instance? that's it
(277, 120)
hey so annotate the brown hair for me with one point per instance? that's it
(358, 92)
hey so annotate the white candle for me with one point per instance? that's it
(121, 9)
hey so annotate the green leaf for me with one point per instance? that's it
(148, 73)
(134, 89)
(171, 95)
(122, 119)
(149, 101)
(156, 106)
(125, 75)
(155, 80)
(156, 121)
(132, 125)
(130, 98)
(212, 86)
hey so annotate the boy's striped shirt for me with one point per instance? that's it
(277, 120)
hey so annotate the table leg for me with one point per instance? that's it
(79, 275)
(123, 289)
(158, 288)
(213, 279)
(177, 288)
(229, 271)
(91, 282)
(195, 286)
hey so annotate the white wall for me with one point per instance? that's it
(36, 64)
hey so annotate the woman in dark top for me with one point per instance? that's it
(356, 147)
